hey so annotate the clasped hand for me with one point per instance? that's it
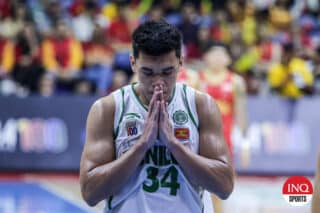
(157, 124)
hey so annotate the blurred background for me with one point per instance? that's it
(58, 57)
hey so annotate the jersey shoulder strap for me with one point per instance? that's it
(189, 97)
(119, 96)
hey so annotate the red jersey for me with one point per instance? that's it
(183, 75)
(224, 97)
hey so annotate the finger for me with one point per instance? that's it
(153, 100)
(162, 111)
(155, 113)
(161, 94)
(167, 104)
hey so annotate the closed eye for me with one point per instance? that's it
(167, 72)
(147, 71)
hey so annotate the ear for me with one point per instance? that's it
(133, 63)
(181, 60)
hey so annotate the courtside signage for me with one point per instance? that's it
(297, 190)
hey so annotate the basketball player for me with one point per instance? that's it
(155, 145)
(227, 88)
(316, 189)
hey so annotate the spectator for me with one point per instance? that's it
(195, 50)
(84, 24)
(291, 78)
(27, 69)
(221, 30)
(83, 87)
(249, 25)
(120, 78)
(317, 71)
(189, 27)
(62, 55)
(119, 30)
(99, 60)
(11, 25)
(255, 48)
(6, 56)
(46, 85)
(47, 14)
(280, 18)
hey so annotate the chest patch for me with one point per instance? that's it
(180, 117)
(131, 127)
(182, 133)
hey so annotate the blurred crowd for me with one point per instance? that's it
(52, 47)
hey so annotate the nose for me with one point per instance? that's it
(157, 81)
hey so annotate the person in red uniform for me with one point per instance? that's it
(227, 88)
(189, 77)
(229, 91)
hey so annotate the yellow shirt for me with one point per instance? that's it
(302, 77)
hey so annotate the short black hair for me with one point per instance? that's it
(212, 44)
(156, 38)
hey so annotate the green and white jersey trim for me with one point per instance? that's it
(159, 181)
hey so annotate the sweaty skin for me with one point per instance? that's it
(102, 175)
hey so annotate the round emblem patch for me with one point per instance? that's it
(180, 117)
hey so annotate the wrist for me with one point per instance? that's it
(142, 145)
(173, 144)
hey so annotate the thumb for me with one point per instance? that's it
(162, 111)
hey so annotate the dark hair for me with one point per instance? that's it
(212, 44)
(156, 38)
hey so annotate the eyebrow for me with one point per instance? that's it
(163, 70)
(168, 68)
(147, 69)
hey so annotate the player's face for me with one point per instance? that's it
(217, 57)
(156, 71)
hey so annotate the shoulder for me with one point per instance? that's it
(103, 107)
(205, 103)
(238, 82)
(208, 111)
(203, 98)
(192, 72)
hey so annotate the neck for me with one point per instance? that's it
(218, 70)
(140, 95)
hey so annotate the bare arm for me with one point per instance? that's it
(101, 174)
(240, 108)
(316, 189)
(212, 168)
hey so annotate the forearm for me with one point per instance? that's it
(316, 190)
(316, 196)
(106, 180)
(241, 115)
(214, 175)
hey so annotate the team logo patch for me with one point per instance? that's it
(180, 117)
(182, 133)
(131, 127)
